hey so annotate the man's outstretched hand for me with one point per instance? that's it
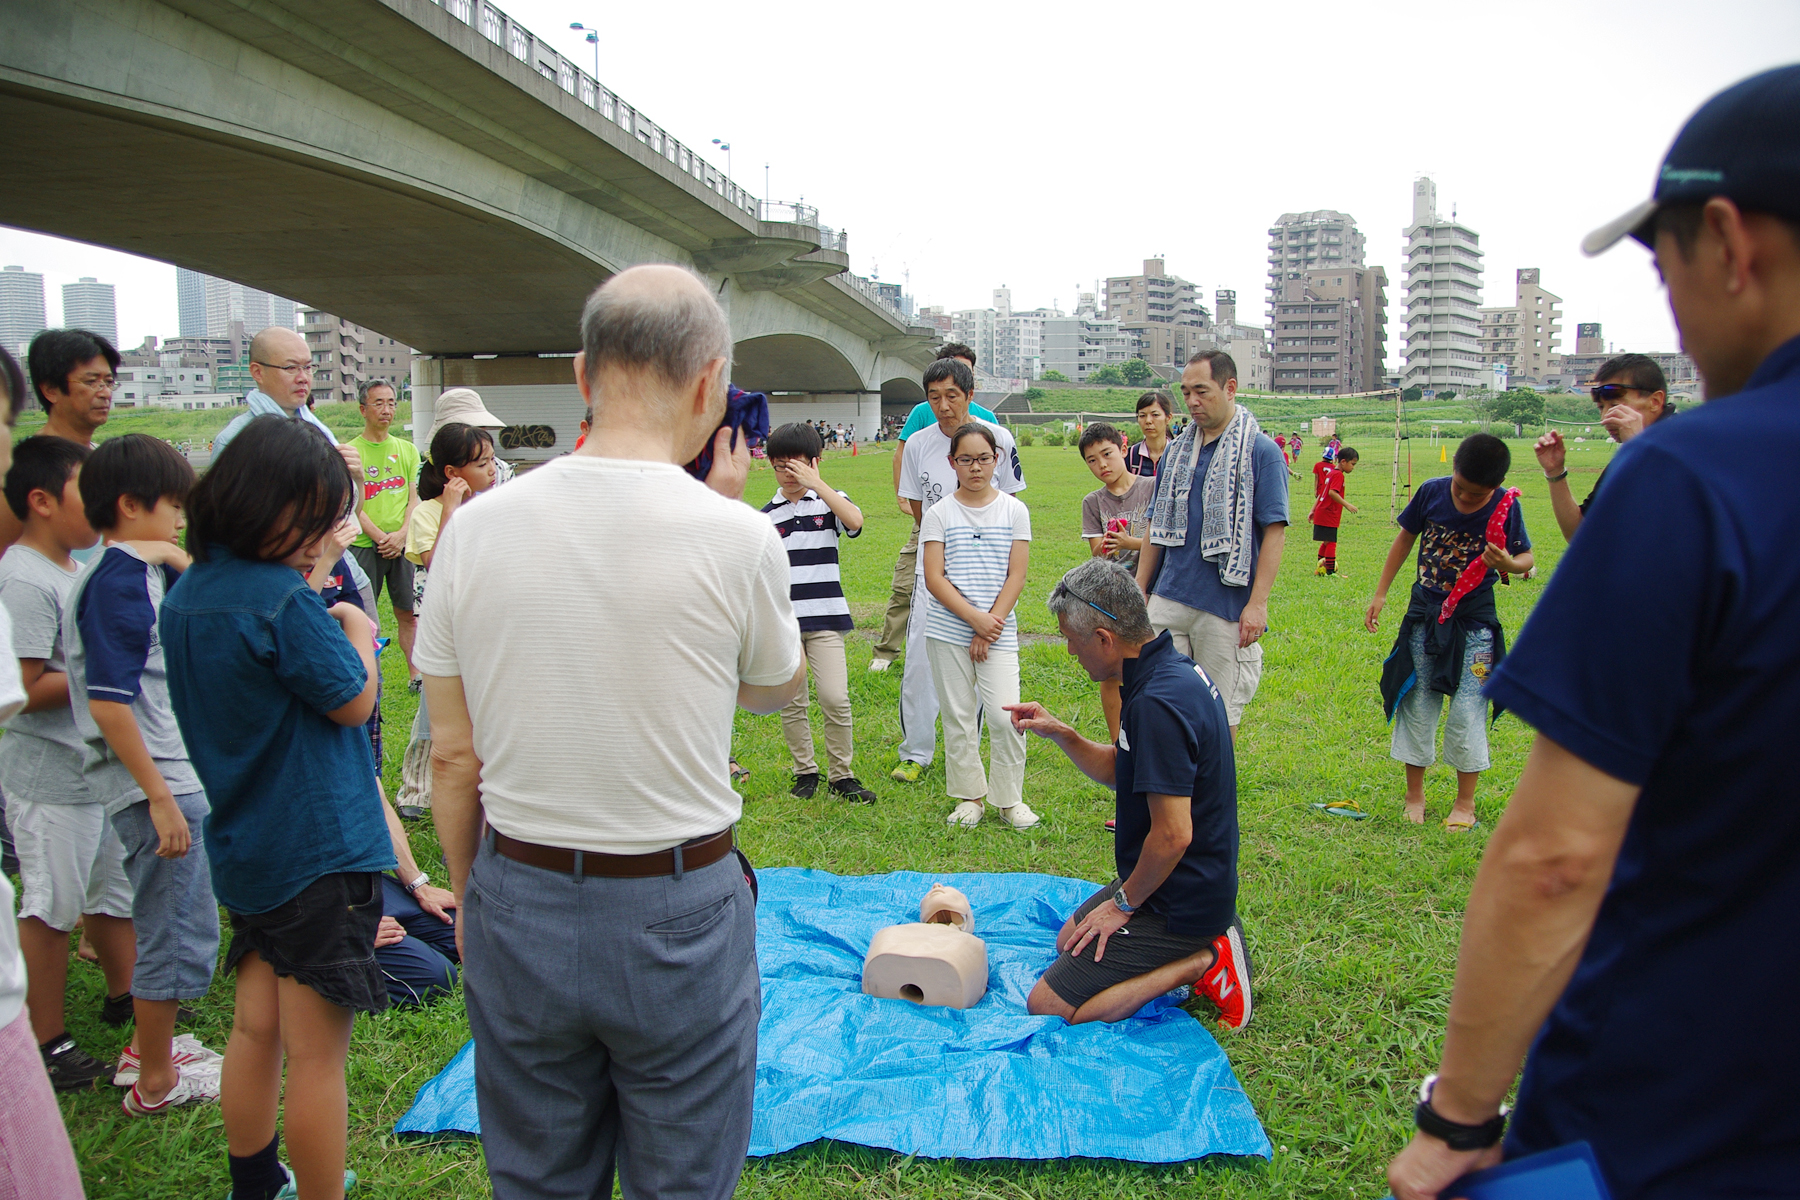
(1032, 717)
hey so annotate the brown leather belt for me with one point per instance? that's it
(689, 856)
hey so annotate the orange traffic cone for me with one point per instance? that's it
(853, 447)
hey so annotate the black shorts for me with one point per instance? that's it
(396, 572)
(1147, 946)
(1325, 533)
(324, 937)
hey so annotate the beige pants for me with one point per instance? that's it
(964, 689)
(829, 676)
(893, 629)
(1213, 643)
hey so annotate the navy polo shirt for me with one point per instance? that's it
(255, 664)
(1666, 653)
(1174, 740)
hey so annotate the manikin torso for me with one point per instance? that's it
(936, 960)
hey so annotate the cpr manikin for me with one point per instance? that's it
(937, 960)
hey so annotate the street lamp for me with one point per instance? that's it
(726, 147)
(593, 39)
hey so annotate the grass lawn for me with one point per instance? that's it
(1353, 925)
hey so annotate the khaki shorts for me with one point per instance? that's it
(1213, 643)
(70, 862)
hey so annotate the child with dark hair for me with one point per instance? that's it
(811, 515)
(272, 689)
(133, 489)
(1330, 476)
(1112, 518)
(1450, 640)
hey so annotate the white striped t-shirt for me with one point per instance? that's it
(809, 533)
(977, 545)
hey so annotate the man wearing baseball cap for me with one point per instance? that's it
(1629, 934)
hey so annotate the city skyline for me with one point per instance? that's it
(1205, 207)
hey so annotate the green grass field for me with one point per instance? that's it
(1353, 925)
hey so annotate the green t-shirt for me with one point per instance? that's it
(390, 468)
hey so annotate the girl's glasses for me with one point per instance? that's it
(978, 460)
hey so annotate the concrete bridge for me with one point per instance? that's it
(428, 169)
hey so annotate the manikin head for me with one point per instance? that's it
(282, 366)
(1102, 616)
(944, 905)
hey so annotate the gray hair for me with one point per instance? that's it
(1101, 594)
(649, 319)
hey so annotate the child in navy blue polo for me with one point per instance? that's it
(272, 690)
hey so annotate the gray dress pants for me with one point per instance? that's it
(615, 1026)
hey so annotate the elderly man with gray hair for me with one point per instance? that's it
(580, 733)
(1169, 919)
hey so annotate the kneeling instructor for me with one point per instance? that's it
(1170, 918)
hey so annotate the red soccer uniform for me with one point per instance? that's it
(1327, 479)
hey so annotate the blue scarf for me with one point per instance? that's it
(745, 411)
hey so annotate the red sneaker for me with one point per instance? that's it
(1227, 982)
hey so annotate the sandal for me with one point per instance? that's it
(739, 771)
(1459, 825)
(1341, 808)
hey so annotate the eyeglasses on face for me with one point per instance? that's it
(1610, 393)
(96, 381)
(294, 369)
(974, 460)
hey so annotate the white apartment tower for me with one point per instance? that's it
(1321, 240)
(1443, 298)
(21, 311)
(91, 305)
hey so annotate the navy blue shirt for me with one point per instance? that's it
(255, 662)
(1673, 1049)
(1174, 740)
(1450, 539)
(1185, 575)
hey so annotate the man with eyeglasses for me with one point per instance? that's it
(1169, 918)
(1632, 395)
(389, 482)
(73, 373)
(282, 366)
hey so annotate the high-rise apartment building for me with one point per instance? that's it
(1307, 241)
(206, 306)
(1525, 337)
(21, 309)
(337, 349)
(190, 303)
(1330, 332)
(1443, 298)
(1161, 312)
(384, 358)
(1008, 345)
(1079, 345)
(91, 305)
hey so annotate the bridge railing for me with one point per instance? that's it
(546, 60)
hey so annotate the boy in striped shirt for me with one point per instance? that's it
(810, 514)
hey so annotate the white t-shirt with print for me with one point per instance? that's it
(602, 613)
(978, 544)
(927, 476)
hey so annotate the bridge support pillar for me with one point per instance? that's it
(860, 411)
(534, 394)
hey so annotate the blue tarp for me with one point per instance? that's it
(986, 1082)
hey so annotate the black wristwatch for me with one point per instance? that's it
(1455, 1134)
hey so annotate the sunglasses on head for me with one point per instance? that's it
(1608, 393)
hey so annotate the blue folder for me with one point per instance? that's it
(1565, 1173)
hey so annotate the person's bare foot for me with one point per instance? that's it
(84, 949)
(1415, 810)
(1461, 818)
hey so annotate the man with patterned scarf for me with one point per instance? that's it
(1218, 521)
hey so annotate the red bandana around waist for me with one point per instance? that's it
(1476, 571)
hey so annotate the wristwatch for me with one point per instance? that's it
(1558, 478)
(1125, 906)
(418, 883)
(1455, 1134)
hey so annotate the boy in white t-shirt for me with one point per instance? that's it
(926, 477)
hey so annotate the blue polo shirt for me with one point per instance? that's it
(1672, 1050)
(255, 662)
(1187, 577)
(1174, 740)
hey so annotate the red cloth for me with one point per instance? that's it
(1476, 571)
(1326, 479)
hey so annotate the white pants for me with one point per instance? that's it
(918, 697)
(964, 689)
(1212, 642)
(70, 862)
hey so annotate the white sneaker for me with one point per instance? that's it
(967, 814)
(184, 1051)
(1019, 816)
(879, 665)
(193, 1086)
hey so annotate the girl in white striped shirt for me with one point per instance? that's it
(977, 544)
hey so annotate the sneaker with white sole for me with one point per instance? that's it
(1019, 816)
(291, 1190)
(193, 1085)
(967, 814)
(1227, 982)
(185, 1051)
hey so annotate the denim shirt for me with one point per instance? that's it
(255, 663)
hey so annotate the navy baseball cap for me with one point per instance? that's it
(1743, 144)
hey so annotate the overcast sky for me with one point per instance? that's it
(1041, 147)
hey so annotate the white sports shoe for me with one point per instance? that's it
(184, 1051)
(1019, 816)
(880, 664)
(967, 814)
(194, 1085)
